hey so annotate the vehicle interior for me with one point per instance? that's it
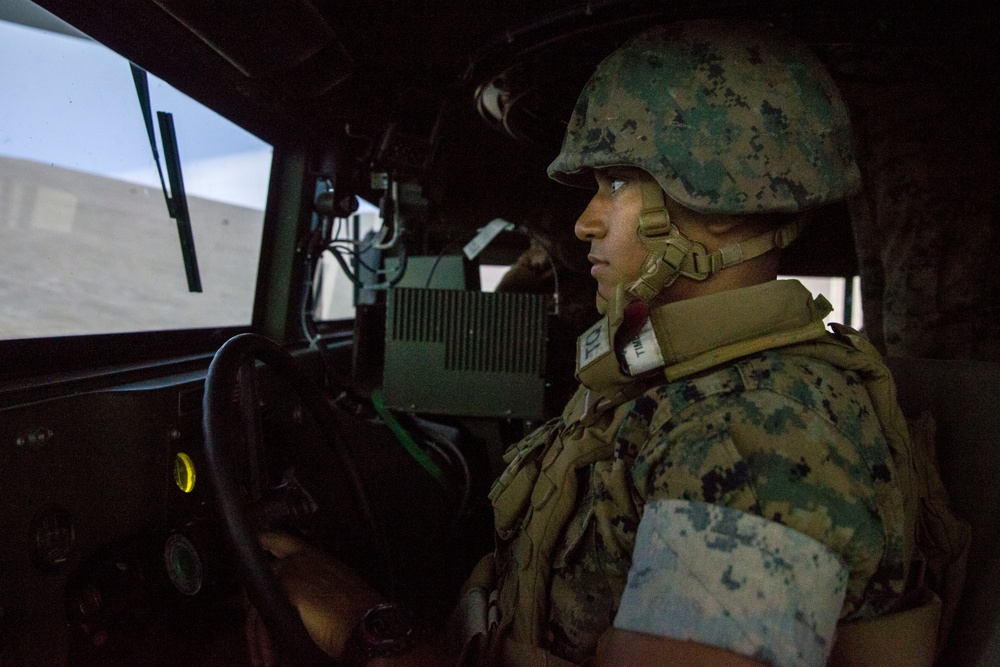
(327, 284)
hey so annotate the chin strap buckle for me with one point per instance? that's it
(670, 254)
(706, 264)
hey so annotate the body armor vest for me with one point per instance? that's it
(536, 495)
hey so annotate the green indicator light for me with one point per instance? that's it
(184, 564)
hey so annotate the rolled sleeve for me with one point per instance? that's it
(719, 576)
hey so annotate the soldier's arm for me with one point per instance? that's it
(625, 647)
(713, 585)
(797, 506)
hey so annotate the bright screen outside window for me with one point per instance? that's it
(86, 243)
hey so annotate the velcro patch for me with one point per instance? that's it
(643, 354)
(593, 344)
(722, 577)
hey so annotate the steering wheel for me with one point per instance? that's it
(222, 428)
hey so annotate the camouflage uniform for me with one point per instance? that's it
(755, 430)
(780, 434)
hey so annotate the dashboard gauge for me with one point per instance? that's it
(53, 536)
(184, 472)
(184, 563)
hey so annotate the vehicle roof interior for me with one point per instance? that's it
(409, 85)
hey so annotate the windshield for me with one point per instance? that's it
(86, 243)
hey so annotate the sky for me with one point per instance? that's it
(72, 103)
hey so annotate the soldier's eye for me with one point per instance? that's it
(616, 184)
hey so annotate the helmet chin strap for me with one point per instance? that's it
(670, 254)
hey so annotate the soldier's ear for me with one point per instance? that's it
(737, 228)
(724, 225)
(712, 229)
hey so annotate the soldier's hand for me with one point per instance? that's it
(329, 597)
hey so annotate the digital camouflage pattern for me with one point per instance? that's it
(788, 434)
(788, 438)
(777, 598)
(728, 117)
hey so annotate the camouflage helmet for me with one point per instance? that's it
(728, 117)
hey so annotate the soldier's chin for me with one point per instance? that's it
(602, 303)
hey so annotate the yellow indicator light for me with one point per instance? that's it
(184, 472)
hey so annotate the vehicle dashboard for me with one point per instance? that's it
(89, 494)
(115, 554)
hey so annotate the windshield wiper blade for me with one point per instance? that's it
(176, 198)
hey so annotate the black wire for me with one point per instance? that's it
(403, 262)
(337, 248)
(335, 236)
(434, 266)
(437, 260)
(400, 272)
(463, 465)
(307, 313)
(343, 265)
(548, 255)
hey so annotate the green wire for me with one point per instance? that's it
(414, 450)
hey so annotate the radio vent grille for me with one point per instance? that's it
(493, 333)
(453, 342)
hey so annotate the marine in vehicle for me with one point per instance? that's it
(342, 180)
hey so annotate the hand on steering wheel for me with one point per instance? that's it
(329, 597)
(313, 589)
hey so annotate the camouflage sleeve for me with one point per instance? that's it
(796, 448)
(719, 576)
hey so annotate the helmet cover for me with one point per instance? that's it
(729, 118)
